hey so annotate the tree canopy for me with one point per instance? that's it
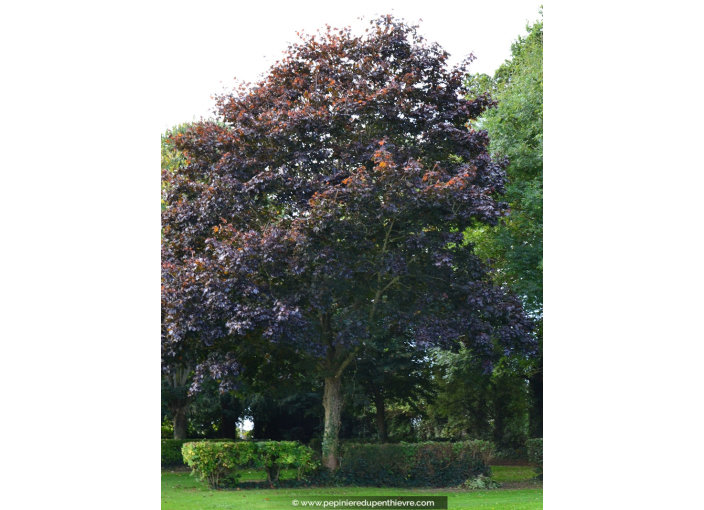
(515, 247)
(326, 210)
(515, 128)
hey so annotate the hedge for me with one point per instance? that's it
(535, 453)
(171, 455)
(216, 462)
(427, 464)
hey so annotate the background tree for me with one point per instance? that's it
(214, 414)
(327, 210)
(472, 403)
(393, 372)
(515, 248)
(286, 415)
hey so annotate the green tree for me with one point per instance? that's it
(515, 127)
(472, 403)
(392, 372)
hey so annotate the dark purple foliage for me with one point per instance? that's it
(329, 209)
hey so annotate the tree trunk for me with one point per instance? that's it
(179, 400)
(180, 417)
(332, 402)
(380, 415)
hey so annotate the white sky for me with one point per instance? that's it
(214, 42)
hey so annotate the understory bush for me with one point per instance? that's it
(217, 463)
(535, 454)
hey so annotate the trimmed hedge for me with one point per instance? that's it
(171, 455)
(426, 464)
(535, 453)
(218, 462)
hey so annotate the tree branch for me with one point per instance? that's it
(346, 362)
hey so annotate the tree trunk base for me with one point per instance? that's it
(332, 402)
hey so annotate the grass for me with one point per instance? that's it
(253, 475)
(503, 474)
(180, 491)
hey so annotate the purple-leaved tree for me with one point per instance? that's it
(325, 210)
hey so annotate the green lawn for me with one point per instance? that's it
(504, 474)
(180, 491)
(253, 475)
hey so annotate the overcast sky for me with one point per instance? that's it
(215, 42)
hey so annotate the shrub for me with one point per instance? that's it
(535, 454)
(273, 456)
(167, 429)
(171, 452)
(413, 465)
(216, 461)
(212, 461)
(171, 455)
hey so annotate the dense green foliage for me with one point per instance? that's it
(273, 456)
(425, 464)
(413, 464)
(515, 248)
(171, 452)
(471, 403)
(287, 412)
(211, 414)
(213, 461)
(515, 129)
(392, 374)
(171, 455)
